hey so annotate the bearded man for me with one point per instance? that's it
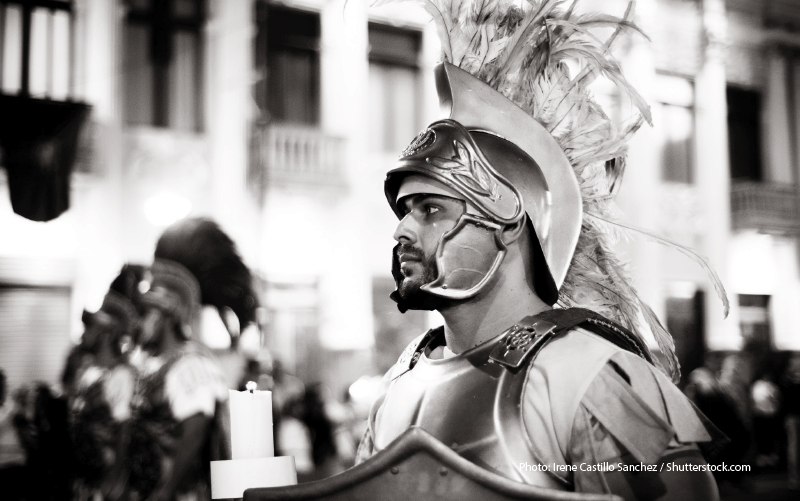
(540, 373)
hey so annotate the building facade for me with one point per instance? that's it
(279, 120)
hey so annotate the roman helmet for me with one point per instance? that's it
(117, 314)
(506, 165)
(175, 292)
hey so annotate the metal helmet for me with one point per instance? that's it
(117, 313)
(175, 291)
(505, 164)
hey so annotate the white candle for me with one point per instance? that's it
(251, 423)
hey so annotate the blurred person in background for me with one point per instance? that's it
(178, 423)
(252, 372)
(791, 388)
(767, 430)
(317, 407)
(720, 407)
(78, 358)
(293, 437)
(100, 403)
(13, 474)
(44, 432)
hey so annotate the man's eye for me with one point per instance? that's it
(431, 209)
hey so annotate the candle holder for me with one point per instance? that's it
(253, 462)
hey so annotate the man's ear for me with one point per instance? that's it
(513, 231)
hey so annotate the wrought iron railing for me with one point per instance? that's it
(767, 207)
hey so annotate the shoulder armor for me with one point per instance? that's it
(524, 340)
(521, 340)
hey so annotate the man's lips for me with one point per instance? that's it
(407, 253)
(405, 258)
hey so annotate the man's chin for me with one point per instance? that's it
(409, 296)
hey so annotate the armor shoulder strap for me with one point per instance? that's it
(523, 341)
(601, 326)
(410, 356)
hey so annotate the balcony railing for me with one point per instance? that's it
(767, 207)
(295, 155)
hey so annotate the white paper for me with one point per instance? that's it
(229, 479)
(251, 424)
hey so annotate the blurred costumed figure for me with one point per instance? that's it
(506, 228)
(177, 427)
(101, 393)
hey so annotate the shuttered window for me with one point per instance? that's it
(34, 333)
(394, 88)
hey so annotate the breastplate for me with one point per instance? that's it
(470, 403)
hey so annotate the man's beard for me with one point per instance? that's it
(409, 295)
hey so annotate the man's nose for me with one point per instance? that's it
(405, 233)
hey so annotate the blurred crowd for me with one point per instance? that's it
(59, 433)
(753, 396)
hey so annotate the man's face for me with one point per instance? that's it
(426, 217)
(91, 336)
(153, 329)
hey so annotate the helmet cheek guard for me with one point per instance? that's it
(467, 258)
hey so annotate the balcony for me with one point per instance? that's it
(296, 156)
(766, 207)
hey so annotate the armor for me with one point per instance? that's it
(436, 395)
(505, 164)
(485, 383)
(419, 467)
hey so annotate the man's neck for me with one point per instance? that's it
(170, 342)
(486, 316)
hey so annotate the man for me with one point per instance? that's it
(177, 427)
(13, 474)
(100, 401)
(502, 209)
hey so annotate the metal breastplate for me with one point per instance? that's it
(471, 402)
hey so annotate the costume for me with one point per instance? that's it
(523, 142)
(99, 405)
(181, 383)
(172, 388)
(100, 400)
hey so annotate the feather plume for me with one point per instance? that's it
(204, 249)
(521, 49)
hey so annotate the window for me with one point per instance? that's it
(162, 63)
(393, 86)
(34, 332)
(685, 313)
(36, 45)
(744, 133)
(754, 320)
(287, 59)
(677, 128)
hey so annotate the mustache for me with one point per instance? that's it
(409, 251)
